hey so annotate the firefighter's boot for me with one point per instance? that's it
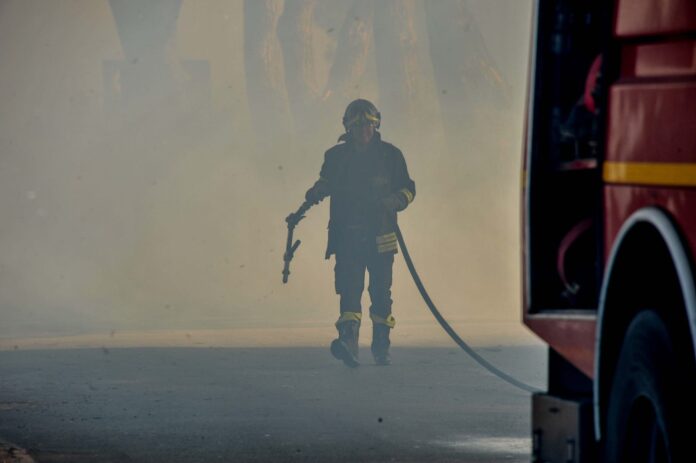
(345, 347)
(380, 339)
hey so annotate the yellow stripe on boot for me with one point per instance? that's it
(349, 317)
(390, 321)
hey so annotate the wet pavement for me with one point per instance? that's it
(266, 404)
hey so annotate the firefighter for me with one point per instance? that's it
(368, 182)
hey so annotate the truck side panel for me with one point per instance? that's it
(622, 201)
(572, 337)
(638, 132)
(650, 155)
(654, 17)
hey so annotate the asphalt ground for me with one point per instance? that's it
(195, 404)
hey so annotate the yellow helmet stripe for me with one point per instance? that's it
(363, 116)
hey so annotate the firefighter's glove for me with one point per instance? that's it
(394, 202)
(316, 193)
(311, 196)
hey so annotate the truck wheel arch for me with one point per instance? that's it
(646, 226)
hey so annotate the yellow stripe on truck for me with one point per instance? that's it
(651, 173)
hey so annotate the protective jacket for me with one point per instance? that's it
(367, 189)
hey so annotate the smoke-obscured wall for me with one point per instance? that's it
(150, 151)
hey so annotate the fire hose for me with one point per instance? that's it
(446, 326)
(291, 247)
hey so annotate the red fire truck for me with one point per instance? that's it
(609, 228)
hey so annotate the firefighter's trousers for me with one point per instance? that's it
(351, 263)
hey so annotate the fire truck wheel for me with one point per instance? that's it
(644, 399)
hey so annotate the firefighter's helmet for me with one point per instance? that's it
(361, 112)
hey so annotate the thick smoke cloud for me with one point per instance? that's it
(149, 152)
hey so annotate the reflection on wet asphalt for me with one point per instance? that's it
(265, 404)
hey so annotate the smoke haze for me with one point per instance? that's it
(150, 151)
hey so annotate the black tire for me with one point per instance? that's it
(648, 400)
